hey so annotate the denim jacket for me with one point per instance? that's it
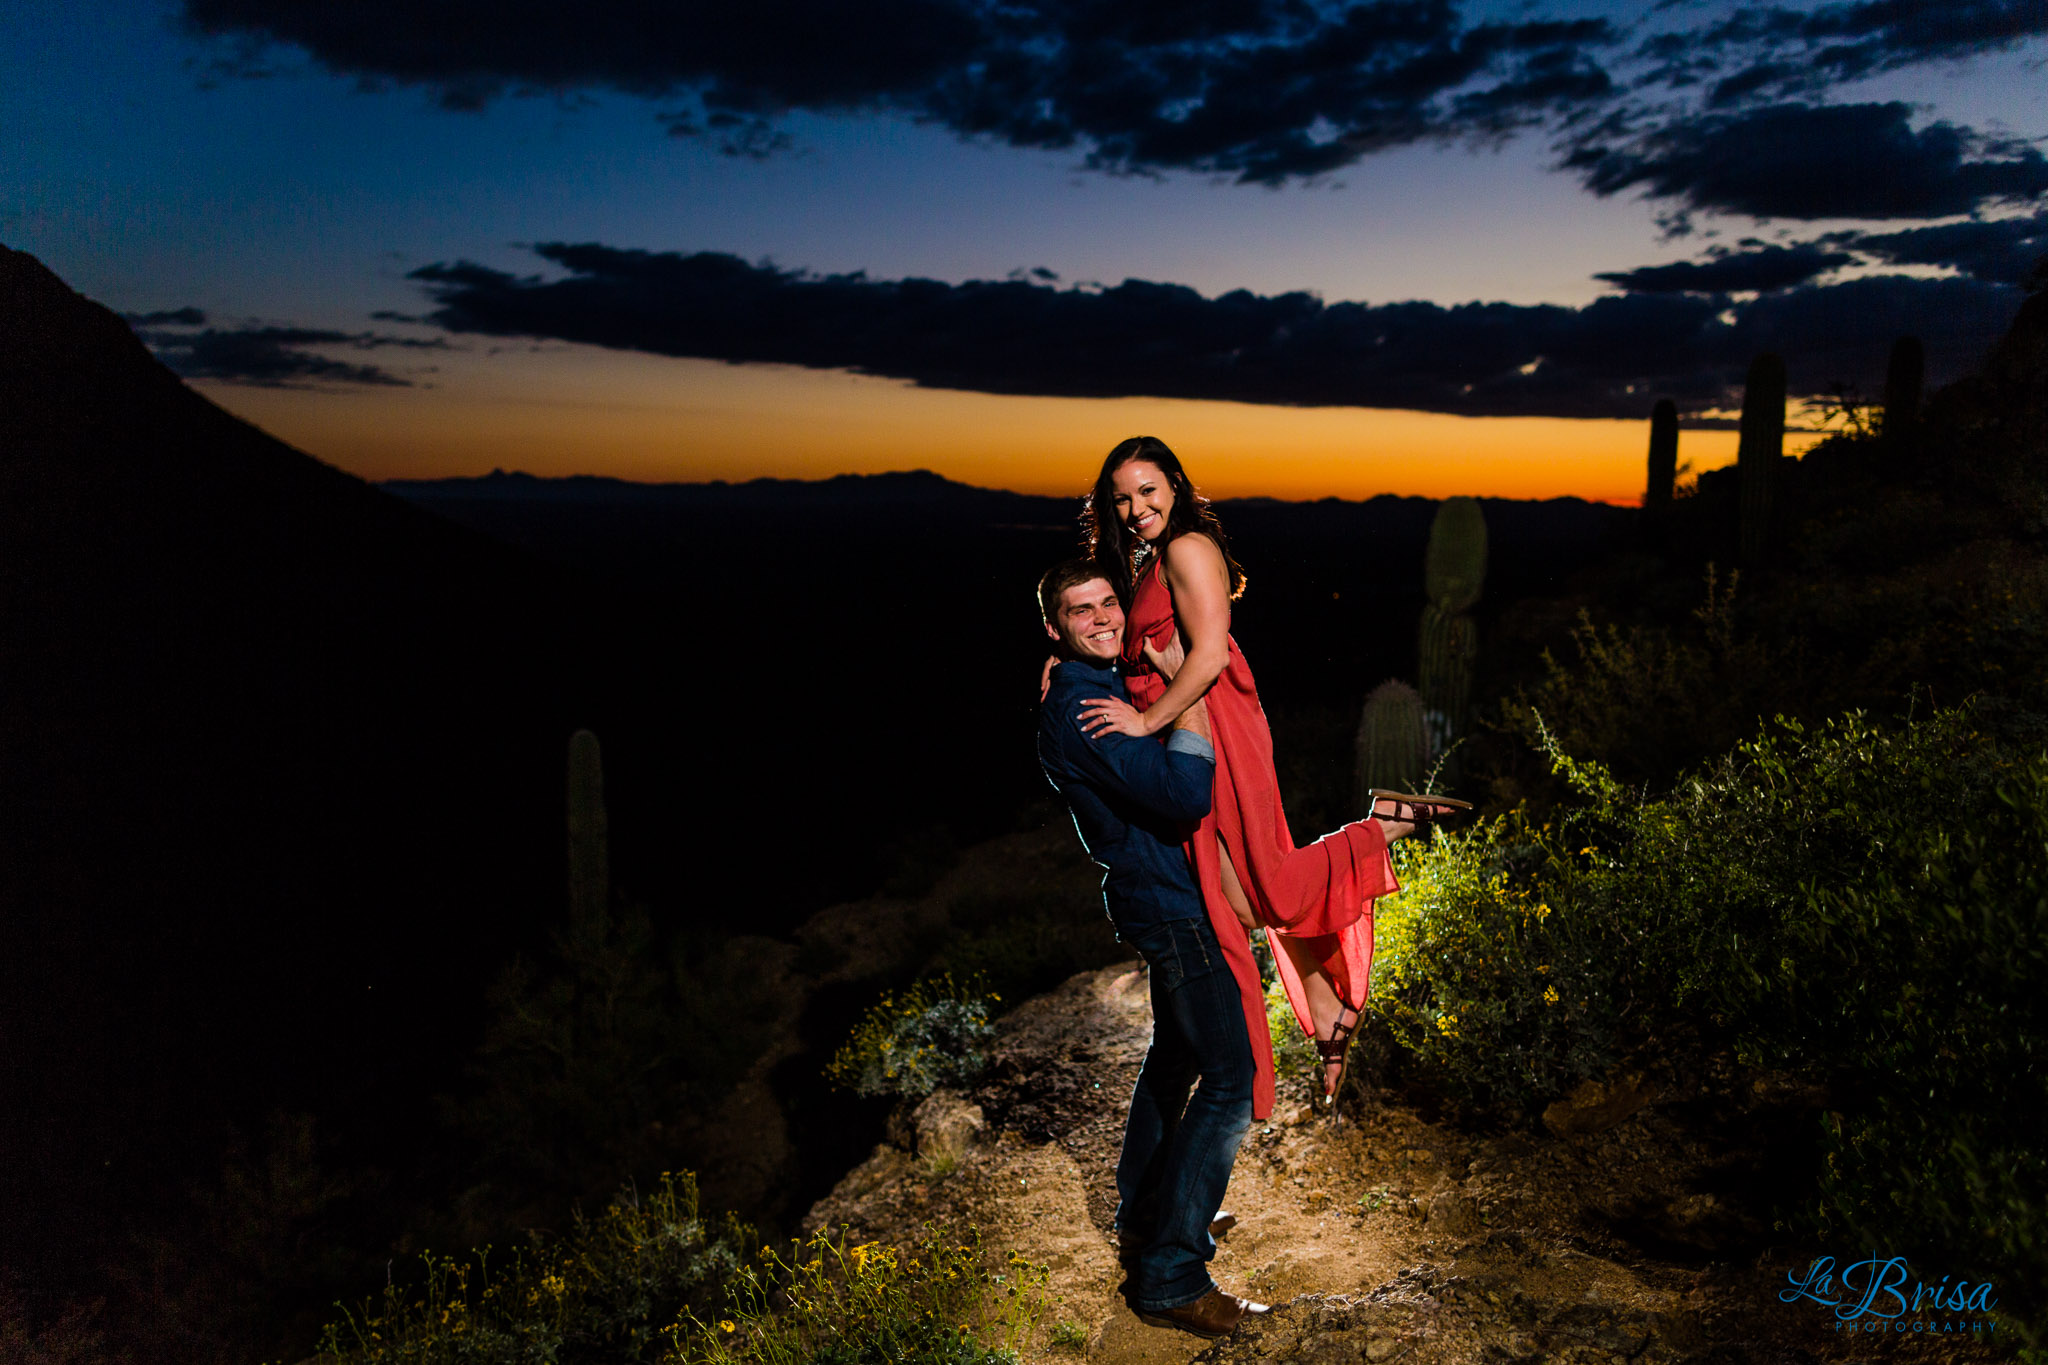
(1134, 801)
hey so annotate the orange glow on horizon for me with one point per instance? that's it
(560, 411)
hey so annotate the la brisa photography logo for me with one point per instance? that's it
(1882, 1294)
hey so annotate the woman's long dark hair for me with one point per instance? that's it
(1119, 553)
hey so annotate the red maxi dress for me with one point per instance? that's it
(1320, 896)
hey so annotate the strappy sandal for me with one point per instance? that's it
(1333, 1049)
(1423, 811)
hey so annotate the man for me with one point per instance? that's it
(1134, 802)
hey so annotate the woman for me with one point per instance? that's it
(1161, 546)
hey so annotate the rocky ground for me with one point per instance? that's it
(1377, 1234)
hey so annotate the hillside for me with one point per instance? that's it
(281, 750)
(1634, 1229)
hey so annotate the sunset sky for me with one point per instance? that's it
(1321, 248)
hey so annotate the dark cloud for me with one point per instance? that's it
(2002, 251)
(1773, 52)
(176, 317)
(1611, 358)
(266, 356)
(1265, 90)
(1815, 161)
(1735, 272)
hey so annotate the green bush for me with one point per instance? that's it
(934, 1034)
(1862, 905)
(1648, 701)
(589, 1057)
(827, 1303)
(608, 1293)
(1923, 986)
(1028, 953)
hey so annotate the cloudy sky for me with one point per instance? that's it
(1322, 248)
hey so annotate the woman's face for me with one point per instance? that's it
(1143, 498)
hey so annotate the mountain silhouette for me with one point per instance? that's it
(283, 774)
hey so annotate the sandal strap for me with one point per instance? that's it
(1332, 1047)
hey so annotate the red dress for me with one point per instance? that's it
(1320, 896)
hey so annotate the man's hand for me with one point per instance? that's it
(1168, 660)
(1196, 718)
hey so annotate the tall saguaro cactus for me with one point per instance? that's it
(1663, 460)
(589, 836)
(1762, 445)
(1453, 574)
(1903, 378)
(1393, 741)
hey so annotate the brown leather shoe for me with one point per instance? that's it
(1215, 1314)
(1223, 1222)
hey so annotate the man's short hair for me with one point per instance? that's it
(1068, 573)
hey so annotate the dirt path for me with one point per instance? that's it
(1378, 1236)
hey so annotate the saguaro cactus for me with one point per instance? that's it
(1663, 459)
(1453, 574)
(589, 838)
(1761, 446)
(1902, 380)
(1393, 741)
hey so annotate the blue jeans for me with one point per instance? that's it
(1178, 1150)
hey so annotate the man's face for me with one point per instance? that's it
(1090, 621)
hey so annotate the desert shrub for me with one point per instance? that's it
(827, 1303)
(1649, 701)
(588, 1057)
(1922, 985)
(607, 1293)
(1296, 1064)
(1029, 953)
(934, 1034)
(1864, 905)
(73, 1337)
(1522, 955)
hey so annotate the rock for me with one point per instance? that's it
(1596, 1106)
(946, 1126)
(897, 1129)
(1332, 1348)
(1449, 1212)
(1707, 1222)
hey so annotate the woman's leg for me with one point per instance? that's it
(1323, 1005)
(1233, 891)
(1325, 1008)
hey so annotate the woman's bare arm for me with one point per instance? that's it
(1200, 583)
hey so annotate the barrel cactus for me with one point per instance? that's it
(1393, 741)
(589, 838)
(1454, 573)
(1663, 459)
(1758, 452)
